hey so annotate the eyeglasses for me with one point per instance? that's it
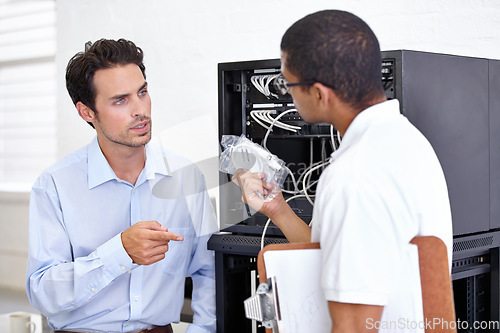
(282, 86)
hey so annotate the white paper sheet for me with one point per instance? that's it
(303, 307)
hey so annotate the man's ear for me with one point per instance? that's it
(85, 112)
(323, 97)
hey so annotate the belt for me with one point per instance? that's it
(155, 329)
(159, 329)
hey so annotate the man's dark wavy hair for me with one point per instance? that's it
(102, 54)
(339, 50)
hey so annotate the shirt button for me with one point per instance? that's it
(133, 191)
(136, 298)
(92, 289)
(130, 272)
(128, 323)
(123, 268)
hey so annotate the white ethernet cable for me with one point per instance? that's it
(308, 168)
(266, 85)
(261, 83)
(257, 117)
(261, 116)
(280, 124)
(302, 176)
(295, 184)
(264, 141)
(256, 84)
(334, 146)
(269, 221)
(308, 175)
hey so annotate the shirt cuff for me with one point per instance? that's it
(114, 257)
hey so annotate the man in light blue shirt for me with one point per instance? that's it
(117, 226)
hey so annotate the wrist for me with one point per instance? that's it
(280, 210)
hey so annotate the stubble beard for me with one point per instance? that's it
(125, 139)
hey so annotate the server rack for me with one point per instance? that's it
(452, 100)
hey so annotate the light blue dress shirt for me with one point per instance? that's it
(80, 276)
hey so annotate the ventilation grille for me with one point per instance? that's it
(250, 240)
(472, 244)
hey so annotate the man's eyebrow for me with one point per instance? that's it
(117, 97)
(143, 86)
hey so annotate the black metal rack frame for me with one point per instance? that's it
(454, 102)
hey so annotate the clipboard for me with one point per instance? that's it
(437, 290)
(288, 300)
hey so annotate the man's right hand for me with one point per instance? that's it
(253, 188)
(147, 242)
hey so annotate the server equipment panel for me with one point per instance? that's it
(452, 100)
(250, 105)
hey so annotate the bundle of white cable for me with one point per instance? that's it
(261, 83)
(275, 121)
(306, 176)
(306, 185)
(264, 119)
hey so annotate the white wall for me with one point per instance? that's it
(184, 41)
(14, 238)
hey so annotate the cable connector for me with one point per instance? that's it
(264, 305)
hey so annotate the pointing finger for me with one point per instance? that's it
(165, 236)
(174, 236)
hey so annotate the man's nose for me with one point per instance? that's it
(140, 107)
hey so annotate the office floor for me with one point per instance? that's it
(16, 301)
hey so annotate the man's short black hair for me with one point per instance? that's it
(104, 53)
(339, 50)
